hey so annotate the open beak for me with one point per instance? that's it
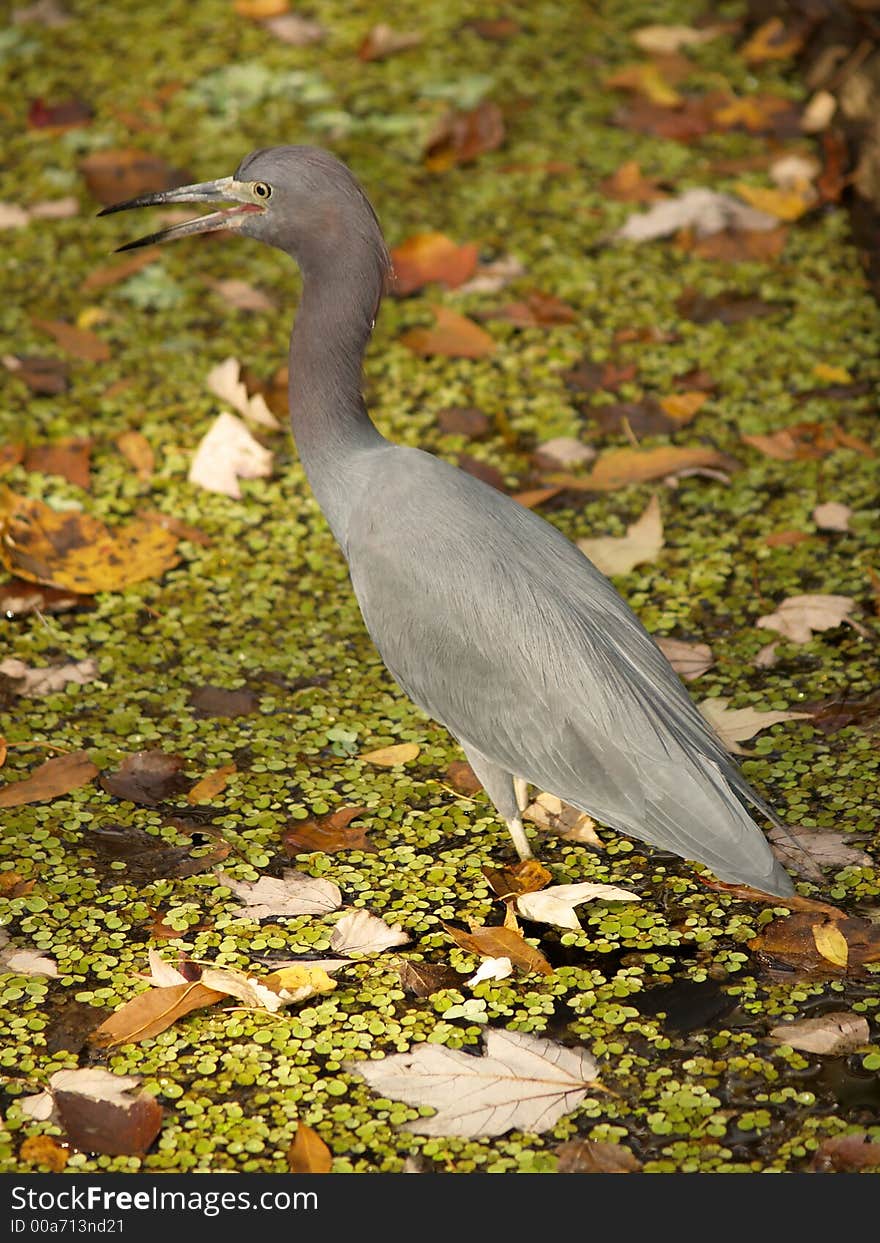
(205, 192)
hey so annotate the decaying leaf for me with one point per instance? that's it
(806, 851)
(682, 407)
(148, 778)
(221, 701)
(74, 551)
(24, 961)
(226, 453)
(736, 725)
(242, 296)
(42, 375)
(550, 813)
(785, 205)
(388, 757)
(840, 945)
(49, 679)
(771, 41)
(704, 211)
(729, 307)
(847, 1154)
(527, 876)
(330, 833)
(628, 185)
(294, 894)
(521, 1082)
(587, 1156)
(536, 310)
(460, 137)
(359, 932)
(225, 382)
(308, 1154)
(211, 784)
(805, 441)
(498, 942)
(451, 336)
(833, 1033)
(115, 175)
(689, 660)
(618, 468)
(299, 981)
(563, 451)
(421, 979)
(831, 944)
(100, 1112)
(798, 617)
(556, 904)
(55, 777)
(136, 449)
(494, 276)
(120, 269)
(44, 1150)
(620, 554)
(152, 1012)
(80, 342)
(68, 458)
(646, 78)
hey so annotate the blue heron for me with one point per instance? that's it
(485, 614)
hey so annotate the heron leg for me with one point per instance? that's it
(502, 790)
(521, 790)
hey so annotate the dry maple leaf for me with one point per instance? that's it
(620, 554)
(521, 1082)
(359, 932)
(798, 617)
(556, 904)
(294, 894)
(452, 336)
(500, 943)
(227, 453)
(736, 725)
(689, 660)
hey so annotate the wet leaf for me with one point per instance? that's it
(833, 1033)
(227, 453)
(839, 712)
(383, 40)
(114, 175)
(549, 812)
(211, 784)
(72, 550)
(806, 851)
(846, 1154)
(428, 257)
(500, 943)
(147, 778)
(50, 678)
(527, 876)
(736, 725)
(330, 833)
(618, 468)
(388, 757)
(18, 599)
(359, 932)
(44, 376)
(79, 342)
(491, 969)
(68, 458)
(55, 777)
(152, 1012)
(632, 419)
(136, 450)
(24, 961)
(298, 982)
(308, 1154)
(218, 701)
(225, 382)
(121, 269)
(799, 617)
(461, 137)
(556, 905)
(521, 1082)
(294, 893)
(628, 185)
(464, 421)
(536, 310)
(451, 336)
(421, 979)
(462, 778)
(730, 307)
(795, 942)
(831, 944)
(643, 542)
(689, 660)
(103, 1113)
(44, 1150)
(587, 1156)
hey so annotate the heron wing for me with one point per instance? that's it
(505, 632)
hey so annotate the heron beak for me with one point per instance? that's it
(204, 192)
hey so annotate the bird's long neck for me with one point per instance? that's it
(332, 429)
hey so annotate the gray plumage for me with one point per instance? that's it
(488, 618)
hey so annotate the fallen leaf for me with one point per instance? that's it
(520, 1082)
(687, 124)
(495, 29)
(785, 205)
(55, 777)
(44, 376)
(846, 1154)
(618, 468)
(383, 40)
(308, 1154)
(24, 961)
(148, 858)
(48, 13)
(115, 175)
(663, 40)
(495, 276)
(729, 307)
(152, 1012)
(683, 406)
(587, 1156)
(549, 812)
(136, 450)
(834, 1033)
(832, 516)
(18, 599)
(299, 982)
(758, 114)
(536, 310)
(451, 336)
(632, 419)
(491, 969)
(113, 273)
(689, 660)
(294, 894)
(359, 932)
(500, 943)
(464, 421)
(527, 876)
(704, 211)
(735, 245)
(628, 185)
(148, 778)
(428, 257)
(12, 216)
(785, 539)
(556, 904)
(260, 10)
(49, 679)
(181, 530)
(461, 137)
(646, 78)
(643, 542)
(218, 701)
(562, 451)
(799, 617)
(103, 1113)
(771, 41)
(67, 458)
(330, 833)
(72, 550)
(736, 725)
(533, 497)
(388, 757)
(211, 784)
(484, 471)
(227, 453)
(242, 296)
(831, 944)
(13, 884)
(421, 979)
(848, 943)
(294, 30)
(462, 778)
(224, 382)
(838, 712)
(44, 1150)
(76, 341)
(819, 112)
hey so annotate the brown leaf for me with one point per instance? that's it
(528, 876)
(75, 551)
(148, 858)
(11, 455)
(68, 114)
(382, 40)
(428, 257)
(68, 458)
(421, 979)
(210, 701)
(500, 943)
(482, 470)
(55, 777)
(462, 778)
(388, 757)
(452, 336)
(632, 418)
(113, 273)
(494, 29)
(847, 1154)
(758, 114)
(794, 902)
(44, 1150)
(587, 1156)
(13, 884)
(804, 441)
(42, 375)
(330, 833)
(833, 1033)
(533, 497)
(182, 530)
(537, 310)
(211, 784)
(107, 1127)
(460, 137)
(18, 599)
(785, 539)
(463, 421)
(796, 941)
(628, 185)
(136, 449)
(734, 245)
(243, 297)
(686, 124)
(152, 1012)
(114, 175)
(682, 407)
(79, 342)
(730, 307)
(646, 78)
(308, 1154)
(689, 660)
(618, 468)
(839, 712)
(147, 778)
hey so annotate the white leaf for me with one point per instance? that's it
(40, 1107)
(295, 894)
(243, 297)
(55, 209)
(832, 516)
(767, 657)
(689, 660)
(704, 211)
(643, 541)
(493, 277)
(24, 961)
(798, 616)
(51, 678)
(295, 30)
(549, 812)
(735, 725)
(491, 969)
(224, 382)
(793, 172)
(359, 932)
(556, 904)
(834, 1033)
(664, 40)
(12, 216)
(227, 453)
(565, 451)
(521, 1082)
(250, 992)
(162, 974)
(96, 1084)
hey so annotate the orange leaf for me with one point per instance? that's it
(771, 42)
(67, 458)
(136, 449)
(211, 784)
(501, 943)
(452, 336)
(431, 257)
(534, 497)
(460, 137)
(329, 833)
(683, 406)
(57, 776)
(620, 467)
(150, 1013)
(627, 185)
(784, 204)
(308, 1154)
(259, 10)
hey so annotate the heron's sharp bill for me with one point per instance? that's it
(205, 192)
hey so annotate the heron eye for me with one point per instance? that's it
(261, 190)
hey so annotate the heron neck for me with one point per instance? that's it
(330, 423)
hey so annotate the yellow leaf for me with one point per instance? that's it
(683, 406)
(646, 79)
(784, 204)
(831, 374)
(831, 944)
(296, 979)
(771, 42)
(91, 315)
(308, 1154)
(387, 757)
(620, 467)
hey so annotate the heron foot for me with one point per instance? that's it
(520, 841)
